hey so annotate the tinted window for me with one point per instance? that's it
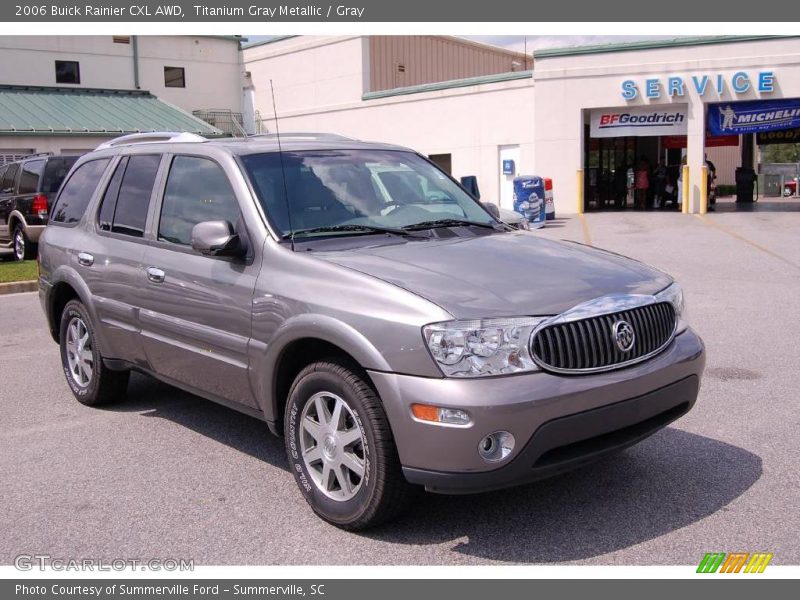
(3, 170)
(55, 171)
(29, 179)
(7, 185)
(78, 190)
(197, 190)
(109, 201)
(133, 200)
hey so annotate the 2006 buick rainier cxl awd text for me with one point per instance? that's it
(364, 305)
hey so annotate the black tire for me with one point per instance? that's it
(22, 247)
(383, 492)
(103, 386)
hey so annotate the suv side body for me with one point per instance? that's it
(282, 326)
(27, 189)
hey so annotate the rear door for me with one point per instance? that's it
(28, 186)
(196, 311)
(111, 259)
(8, 187)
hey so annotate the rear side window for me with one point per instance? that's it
(78, 190)
(54, 173)
(197, 190)
(127, 198)
(29, 179)
(7, 185)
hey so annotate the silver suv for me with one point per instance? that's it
(366, 307)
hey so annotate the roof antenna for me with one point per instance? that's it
(283, 167)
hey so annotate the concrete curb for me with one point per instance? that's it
(16, 287)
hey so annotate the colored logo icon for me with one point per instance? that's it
(735, 562)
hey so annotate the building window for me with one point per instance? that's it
(443, 161)
(68, 71)
(174, 77)
(121, 39)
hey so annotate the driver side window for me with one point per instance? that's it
(197, 190)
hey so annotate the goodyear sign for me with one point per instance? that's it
(733, 118)
(665, 119)
(782, 136)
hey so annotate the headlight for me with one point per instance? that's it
(674, 295)
(481, 348)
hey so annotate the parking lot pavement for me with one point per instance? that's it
(169, 475)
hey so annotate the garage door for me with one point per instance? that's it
(10, 155)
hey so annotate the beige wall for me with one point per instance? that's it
(212, 66)
(431, 58)
(53, 144)
(319, 82)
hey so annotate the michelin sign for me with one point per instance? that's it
(732, 118)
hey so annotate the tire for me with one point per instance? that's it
(380, 492)
(91, 382)
(23, 248)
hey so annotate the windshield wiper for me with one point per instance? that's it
(347, 227)
(449, 223)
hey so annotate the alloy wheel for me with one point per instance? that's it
(19, 245)
(332, 446)
(79, 352)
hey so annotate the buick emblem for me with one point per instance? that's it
(623, 335)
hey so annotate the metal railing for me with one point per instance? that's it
(223, 119)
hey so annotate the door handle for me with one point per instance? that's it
(86, 259)
(155, 274)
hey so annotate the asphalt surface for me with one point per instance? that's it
(167, 474)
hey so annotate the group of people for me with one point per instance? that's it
(653, 186)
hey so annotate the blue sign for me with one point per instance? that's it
(733, 118)
(676, 87)
(508, 167)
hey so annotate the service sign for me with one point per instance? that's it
(727, 118)
(639, 121)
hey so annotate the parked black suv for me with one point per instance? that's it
(26, 189)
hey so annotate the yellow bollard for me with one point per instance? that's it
(579, 187)
(703, 189)
(685, 190)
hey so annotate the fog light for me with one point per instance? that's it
(439, 414)
(496, 446)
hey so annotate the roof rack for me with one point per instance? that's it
(303, 135)
(34, 155)
(152, 137)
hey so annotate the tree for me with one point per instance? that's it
(780, 153)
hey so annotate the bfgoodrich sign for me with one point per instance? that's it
(639, 121)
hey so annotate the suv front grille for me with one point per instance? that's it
(589, 344)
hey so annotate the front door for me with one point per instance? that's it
(196, 311)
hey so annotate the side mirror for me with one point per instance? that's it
(492, 209)
(216, 238)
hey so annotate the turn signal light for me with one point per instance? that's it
(439, 414)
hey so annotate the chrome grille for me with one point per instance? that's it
(588, 345)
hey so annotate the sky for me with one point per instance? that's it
(536, 42)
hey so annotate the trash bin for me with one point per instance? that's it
(529, 197)
(549, 203)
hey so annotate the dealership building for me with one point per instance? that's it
(577, 115)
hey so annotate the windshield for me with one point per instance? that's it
(333, 192)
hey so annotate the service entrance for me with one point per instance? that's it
(627, 163)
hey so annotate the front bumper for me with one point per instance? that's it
(559, 422)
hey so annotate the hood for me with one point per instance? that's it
(502, 275)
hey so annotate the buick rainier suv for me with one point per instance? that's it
(366, 307)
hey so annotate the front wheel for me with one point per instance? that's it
(91, 382)
(340, 448)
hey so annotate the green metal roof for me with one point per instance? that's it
(446, 85)
(653, 44)
(28, 110)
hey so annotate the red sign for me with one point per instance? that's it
(712, 141)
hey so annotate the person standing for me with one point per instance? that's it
(642, 184)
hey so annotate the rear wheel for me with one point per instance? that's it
(91, 382)
(24, 249)
(341, 449)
